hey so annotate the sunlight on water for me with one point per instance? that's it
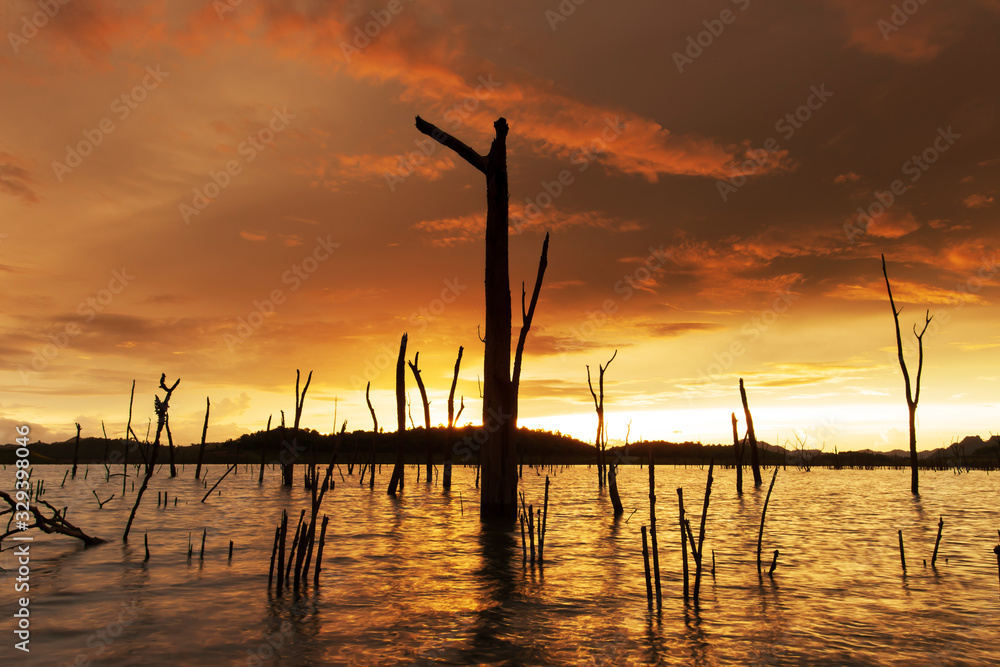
(413, 581)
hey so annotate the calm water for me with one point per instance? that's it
(413, 581)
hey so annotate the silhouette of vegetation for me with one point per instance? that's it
(912, 393)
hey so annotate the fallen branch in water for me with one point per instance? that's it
(56, 524)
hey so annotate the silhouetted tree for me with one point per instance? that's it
(752, 437)
(498, 456)
(601, 440)
(76, 449)
(204, 433)
(452, 418)
(288, 468)
(912, 393)
(427, 415)
(739, 457)
(397, 478)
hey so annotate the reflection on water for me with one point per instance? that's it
(413, 581)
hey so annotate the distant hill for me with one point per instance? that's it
(542, 447)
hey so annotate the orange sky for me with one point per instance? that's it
(228, 191)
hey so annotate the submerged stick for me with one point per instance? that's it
(701, 533)
(652, 530)
(145, 541)
(231, 468)
(684, 540)
(774, 563)
(281, 550)
(763, 514)
(937, 542)
(274, 553)
(645, 560)
(319, 551)
(902, 553)
(544, 521)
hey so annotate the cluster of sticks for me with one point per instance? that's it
(303, 542)
(652, 538)
(687, 537)
(543, 516)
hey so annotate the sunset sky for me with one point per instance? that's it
(168, 168)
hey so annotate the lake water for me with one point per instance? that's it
(414, 581)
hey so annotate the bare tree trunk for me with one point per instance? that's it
(76, 450)
(527, 315)
(754, 462)
(602, 437)
(427, 416)
(170, 445)
(161, 420)
(288, 468)
(739, 458)
(397, 479)
(499, 454)
(371, 463)
(263, 452)
(912, 397)
(204, 433)
(446, 477)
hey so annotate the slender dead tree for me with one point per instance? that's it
(263, 452)
(912, 392)
(161, 408)
(752, 437)
(371, 460)
(739, 457)
(204, 434)
(498, 455)
(397, 479)
(446, 477)
(288, 469)
(527, 315)
(427, 414)
(76, 450)
(170, 448)
(601, 441)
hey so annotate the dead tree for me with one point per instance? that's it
(263, 451)
(602, 439)
(527, 315)
(56, 524)
(170, 448)
(371, 461)
(739, 457)
(754, 461)
(912, 392)
(204, 434)
(452, 418)
(397, 479)
(76, 450)
(499, 454)
(161, 408)
(427, 414)
(288, 469)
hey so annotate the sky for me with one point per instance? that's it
(228, 191)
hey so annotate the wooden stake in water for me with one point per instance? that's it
(274, 553)
(902, 553)
(937, 542)
(319, 551)
(684, 541)
(774, 563)
(544, 521)
(204, 532)
(230, 550)
(145, 541)
(763, 514)
(645, 561)
(652, 530)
